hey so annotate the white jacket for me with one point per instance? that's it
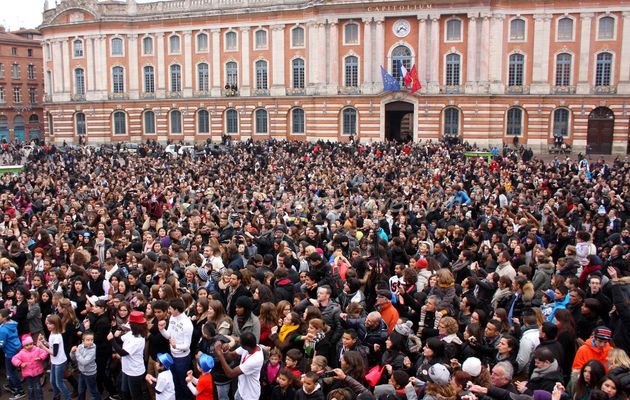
(180, 328)
(529, 341)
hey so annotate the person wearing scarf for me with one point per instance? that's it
(245, 321)
(594, 265)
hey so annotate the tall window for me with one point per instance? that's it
(349, 121)
(351, 71)
(451, 121)
(118, 79)
(15, 71)
(149, 122)
(514, 121)
(454, 30)
(231, 121)
(230, 41)
(149, 79)
(351, 33)
(30, 71)
(231, 73)
(2, 95)
(565, 28)
(297, 37)
(79, 82)
(297, 120)
(77, 47)
(261, 74)
(202, 77)
(117, 47)
(203, 121)
(147, 45)
(298, 73)
(17, 94)
(606, 28)
(202, 42)
(453, 69)
(400, 55)
(176, 78)
(120, 123)
(176, 121)
(517, 29)
(32, 95)
(1, 70)
(561, 122)
(603, 69)
(261, 121)
(563, 69)
(517, 64)
(261, 39)
(80, 123)
(174, 45)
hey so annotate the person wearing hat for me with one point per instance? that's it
(163, 385)
(31, 360)
(202, 388)
(595, 348)
(386, 308)
(10, 345)
(438, 378)
(132, 355)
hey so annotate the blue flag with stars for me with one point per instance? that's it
(389, 82)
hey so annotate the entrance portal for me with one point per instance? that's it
(601, 123)
(399, 121)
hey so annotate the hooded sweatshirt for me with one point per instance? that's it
(588, 352)
(179, 328)
(9, 340)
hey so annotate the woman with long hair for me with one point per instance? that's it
(289, 335)
(567, 337)
(613, 388)
(590, 375)
(199, 319)
(132, 355)
(268, 319)
(217, 314)
(78, 295)
(58, 356)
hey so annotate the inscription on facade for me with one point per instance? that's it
(400, 7)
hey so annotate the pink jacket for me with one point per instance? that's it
(33, 360)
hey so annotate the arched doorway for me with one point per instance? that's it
(4, 129)
(601, 123)
(18, 128)
(399, 121)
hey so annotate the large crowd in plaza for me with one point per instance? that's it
(297, 270)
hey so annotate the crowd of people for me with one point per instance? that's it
(297, 270)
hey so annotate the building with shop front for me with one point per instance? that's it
(21, 85)
(195, 70)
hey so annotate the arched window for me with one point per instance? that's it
(202, 42)
(174, 45)
(565, 28)
(603, 69)
(453, 69)
(79, 82)
(149, 79)
(33, 119)
(77, 48)
(561, 122)
(261, 74)
(176, 121)
(351, 33)
(120, 123)
(606, 28)
(260, 39)
(261, 121)
(297, 37)
(297, 120)
(516, 67)
(451, 121)
(453, 30)
(176, 78)
(18, 128)
(563, 69)
(202, 77)
(517, 29)
(230, 41)
(400, 55)
(514, 121)
(118, 80)
(49, 118)
(117, 47)
(231, 121)
(203, 121)
(231, 73)
(351, 69)
(79, 123)
(298, 73)
(349, 121)
(149, 122)
(147, 45)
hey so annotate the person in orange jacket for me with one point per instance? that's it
(385, 307)
(595, 348)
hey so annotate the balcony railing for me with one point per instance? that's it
(202, 93)
(452, 89)
(296, 91)
(118, 96)
(147, 95)
(261, 92)
(349, 90)
(229, 92)
(174, 95)
(604, 89)
(523, 89)
(78, 97)
(563, 89)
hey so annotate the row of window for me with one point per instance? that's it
(17, 94)
(16, 71)
(14, 52)
(18, 121)
(261, 122)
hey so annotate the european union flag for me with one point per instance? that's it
(389, 82)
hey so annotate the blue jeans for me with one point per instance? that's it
(12, 374)
(56, 381)
(34, 387)
(87, 383)
(223, 390)
(180, 366)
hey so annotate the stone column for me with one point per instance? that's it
(434, 76)
(57, 68)
(584, 86)
(321, 59)
(542, 33)
(422, 63)
(379, 58)
(133, 67)
(89, 56)
(495, 72)
(333, 57)
(216, 63)
(368, 53)
(245, 86)
(277, 60)
(159, 66)
(65, 54)
(189, 69)
(313, 54)
(471, 62)
(623, 87)
(485, 51)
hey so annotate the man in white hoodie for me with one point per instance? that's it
(179, 333)
(529, 341)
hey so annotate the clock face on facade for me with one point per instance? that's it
(401, 28)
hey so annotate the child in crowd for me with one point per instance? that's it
(202, 388)
(546, 308)
(319, 365)
(284, 390)
(292, 362)
(269, 372)
(311, 389)
(164, 385)
(85, 357)
(34, 316)
(31, 360)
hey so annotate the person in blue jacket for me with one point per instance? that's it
(10, 344)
